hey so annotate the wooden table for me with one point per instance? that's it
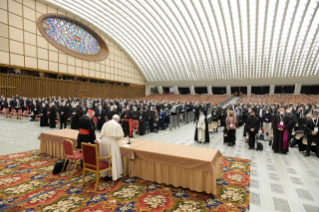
(195, 168)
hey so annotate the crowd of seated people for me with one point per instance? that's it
(278, 98)
(151, 113)
(273, 115)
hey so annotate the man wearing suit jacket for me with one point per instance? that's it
(260, 113)
(301, 118)
(312, 126)
(100, 114)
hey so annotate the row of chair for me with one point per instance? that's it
(13, 115)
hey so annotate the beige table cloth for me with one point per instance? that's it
(195, 168)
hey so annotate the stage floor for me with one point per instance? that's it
(278, 182)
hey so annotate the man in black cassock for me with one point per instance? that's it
(151, 119)
(127, 124)
(74, 117)
(52, 115)
(252, 127)
(281, 124)
(86, 129)
(141, 121)
(82, 111)
(111, 113)
(63, 115)
(44, 116)
(207, 139)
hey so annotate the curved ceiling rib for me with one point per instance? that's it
(196, 40)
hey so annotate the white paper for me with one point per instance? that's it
(316, 129)
(281, 123)
(126, 145)
(124, 142)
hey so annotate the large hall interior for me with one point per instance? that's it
(159, 105)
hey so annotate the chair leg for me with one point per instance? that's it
(97, 180)
(74, 167)
(83, 178)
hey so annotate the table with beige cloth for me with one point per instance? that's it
(190, 167)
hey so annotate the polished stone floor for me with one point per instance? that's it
(278, 182)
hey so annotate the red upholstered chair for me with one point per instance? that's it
(25, 115)
(17, 115)
(135, 127)
(4, 112)
(37, 119)
(92, 163)
(70, 153)
(11, 114)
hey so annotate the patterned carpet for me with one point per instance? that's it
(27, 184)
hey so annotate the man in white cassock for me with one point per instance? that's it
(201, 132)
(111, 133)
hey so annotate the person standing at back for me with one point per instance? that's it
(252, 126)
(312, 126)
(267, 117)
(231, 128)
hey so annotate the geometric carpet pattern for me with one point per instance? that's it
(27, 184)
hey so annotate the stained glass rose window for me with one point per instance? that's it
(71, 36)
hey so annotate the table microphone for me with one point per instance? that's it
(128, 140)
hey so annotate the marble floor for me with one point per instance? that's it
(278, 182)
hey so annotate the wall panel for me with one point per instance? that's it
(44, 87)
(18, 27)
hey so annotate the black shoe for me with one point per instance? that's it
(107, 178)
(307, 154)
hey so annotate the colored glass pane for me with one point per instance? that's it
(71, 36)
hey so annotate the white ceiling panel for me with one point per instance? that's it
(198, 40)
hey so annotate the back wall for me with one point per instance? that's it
(23, 46)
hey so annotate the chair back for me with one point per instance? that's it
(6, 110)
(19, 112)
(25, 113)
(94, 120)
(90, 156)
(68, 147)
(135, 124)
(12, 111)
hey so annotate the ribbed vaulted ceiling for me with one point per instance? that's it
(187, 40)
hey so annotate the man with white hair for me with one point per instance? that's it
(111, 133)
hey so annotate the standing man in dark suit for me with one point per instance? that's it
(301, 118)
(100, 114)
(252, 126)
(312, 126)
(260, 113)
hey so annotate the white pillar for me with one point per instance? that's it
(160, 89)
(248, 90)
(147, 90)
(272, 90)
(228, 91)
(297, 88)
(192, 89)
(209, 89)
(176, 90)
